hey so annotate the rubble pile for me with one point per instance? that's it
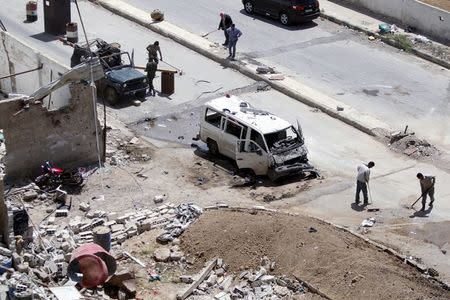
(40, 260)
(256, 284)
(119, 151)
(2, 152)
(409, 144)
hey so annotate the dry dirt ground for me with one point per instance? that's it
(337, 263)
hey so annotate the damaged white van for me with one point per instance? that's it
(255, 139)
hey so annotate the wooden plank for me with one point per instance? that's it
(204, 273)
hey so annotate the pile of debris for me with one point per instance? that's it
(216, 282)
(409, 144)
(2, 152)
(40, 260)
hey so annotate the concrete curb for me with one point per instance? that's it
(416, 52)
(419, 267)
(288, 86)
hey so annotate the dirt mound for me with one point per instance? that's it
(339, 264)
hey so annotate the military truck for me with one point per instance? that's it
(121, 78)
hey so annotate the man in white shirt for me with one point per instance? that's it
(362, 179)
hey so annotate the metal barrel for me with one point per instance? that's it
(102, 237)
(31, 8)
(72, 32)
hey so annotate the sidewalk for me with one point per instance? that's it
(365, 23)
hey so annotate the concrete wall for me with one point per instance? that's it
(65, 136)
(428, 20)
(16, 56)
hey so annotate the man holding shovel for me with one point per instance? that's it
(427, 187)
(224, 24)
(362, 180)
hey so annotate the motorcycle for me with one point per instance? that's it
(52, 177)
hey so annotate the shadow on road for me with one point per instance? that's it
(295, 27)
(44, 37)
(422, 213)
(357, 207)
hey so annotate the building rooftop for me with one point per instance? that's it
(241, 111)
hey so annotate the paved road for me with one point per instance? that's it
(374, 78)
(335, 148)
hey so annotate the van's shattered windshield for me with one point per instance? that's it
(284, 136)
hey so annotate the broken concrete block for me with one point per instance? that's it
(220, 272)
(281, 290)
(186, 279)
(267, 279)
(117, 227)
(222, 296)
(84, 206)
(29, 195)
(65, 246)
(176, 256)
(212, 279)
(162, 254)
(23, 268)
(17, 259)
(42, 275)
(159, 198)
(226, 283)
(51, 220)
(5, 251)
(61, 213)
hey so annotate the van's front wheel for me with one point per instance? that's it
(212, 147)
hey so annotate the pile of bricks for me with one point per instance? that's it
(258, 284)
(46, 260)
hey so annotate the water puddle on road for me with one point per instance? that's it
(436, 233)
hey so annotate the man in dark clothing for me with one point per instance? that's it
(427, 188)
(233, 34)
(151, 73)
(224, 24)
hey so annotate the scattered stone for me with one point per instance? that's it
(84, 206)
(159, 198)
(212, 280)
(162, 255)
(29, 195)
(137, 103)
(186, 279)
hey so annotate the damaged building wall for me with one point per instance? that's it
(65, 136)
(4, 228)
(16, 56)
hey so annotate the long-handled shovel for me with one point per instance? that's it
(206, 34)
(426, 192)
(371, 201)
(179, 70)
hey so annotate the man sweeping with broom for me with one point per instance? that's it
(362, 180)
(427, 187)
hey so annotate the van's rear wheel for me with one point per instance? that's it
(212, 147)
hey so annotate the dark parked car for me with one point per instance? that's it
(287, 11)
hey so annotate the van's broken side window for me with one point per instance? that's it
(258, 139)
(213, 117)
(233, 129)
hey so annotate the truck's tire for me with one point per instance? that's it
(213, 147)
(141, 94)
(111, 95)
